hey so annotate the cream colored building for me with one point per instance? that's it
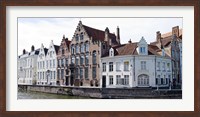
(136, 65)
(27, 67)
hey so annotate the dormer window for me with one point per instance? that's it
(111, 53)
(142, 50)
(142, 47)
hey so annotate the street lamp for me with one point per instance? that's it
(48, 73)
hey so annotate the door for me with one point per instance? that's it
(66, 80)
(104, 81)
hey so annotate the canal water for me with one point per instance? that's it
(40, 95)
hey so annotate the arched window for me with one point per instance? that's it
(94, 57)
(143, 80)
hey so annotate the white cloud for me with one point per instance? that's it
(34, 31)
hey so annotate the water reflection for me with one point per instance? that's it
(40, 95)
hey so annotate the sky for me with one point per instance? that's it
(35, 31)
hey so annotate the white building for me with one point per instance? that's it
(41, 66)
(136, 65)
(27, 67)
(51, 64)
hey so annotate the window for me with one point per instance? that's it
(168, 66)
(58, 74)
(142, 49)
(62, 62)
(158, 66)
(118, 66)
(76, 37)
(86, 59)
(63, 51)
(81, 36)
(82, 60)
(143, 80)
(73, 60)
(54, 75)
(43, 64)
(110, 66)
(62, 73)
(38, 66)
(87, 47)
(104, 67)
(53, 63)
(81, 72)
(126, 66)
(77, 58)
(50, 63)
(72, 49)
(86, 72)
(66, 61)
(93, 72)
(126, 79)
(47, 64)
(143, 65)
(110, 80)
(94, 57)
(158, 82)
(38, 75)
(82, 47)
(161, 80)
(51, 54)
(51, 74)
(163, 66)
(77, 48)
(118, 80)
(164, 80)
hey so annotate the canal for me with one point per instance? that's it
(40, 95)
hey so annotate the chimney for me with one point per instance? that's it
(130, 41)
(63, 37)
(32, 48)
(24, 51)
(106, 36)
(118, 36)
(175, 30)
(158, 36)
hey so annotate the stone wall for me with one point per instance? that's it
(106, 93)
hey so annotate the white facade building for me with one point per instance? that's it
(27, 67)
(51, 64)
(136, 65)
(41, 66)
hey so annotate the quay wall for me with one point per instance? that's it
(140, 93)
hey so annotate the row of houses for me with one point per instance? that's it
(96, 58)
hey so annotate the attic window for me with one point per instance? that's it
(142, 49)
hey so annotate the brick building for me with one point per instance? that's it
(63, 62)
(171, 42)
(88, 45)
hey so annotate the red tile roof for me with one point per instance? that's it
(67, 42)
(130, 49)
(97, 34)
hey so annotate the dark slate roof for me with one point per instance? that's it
(56, 48)
(97, 34)
(45, 50)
